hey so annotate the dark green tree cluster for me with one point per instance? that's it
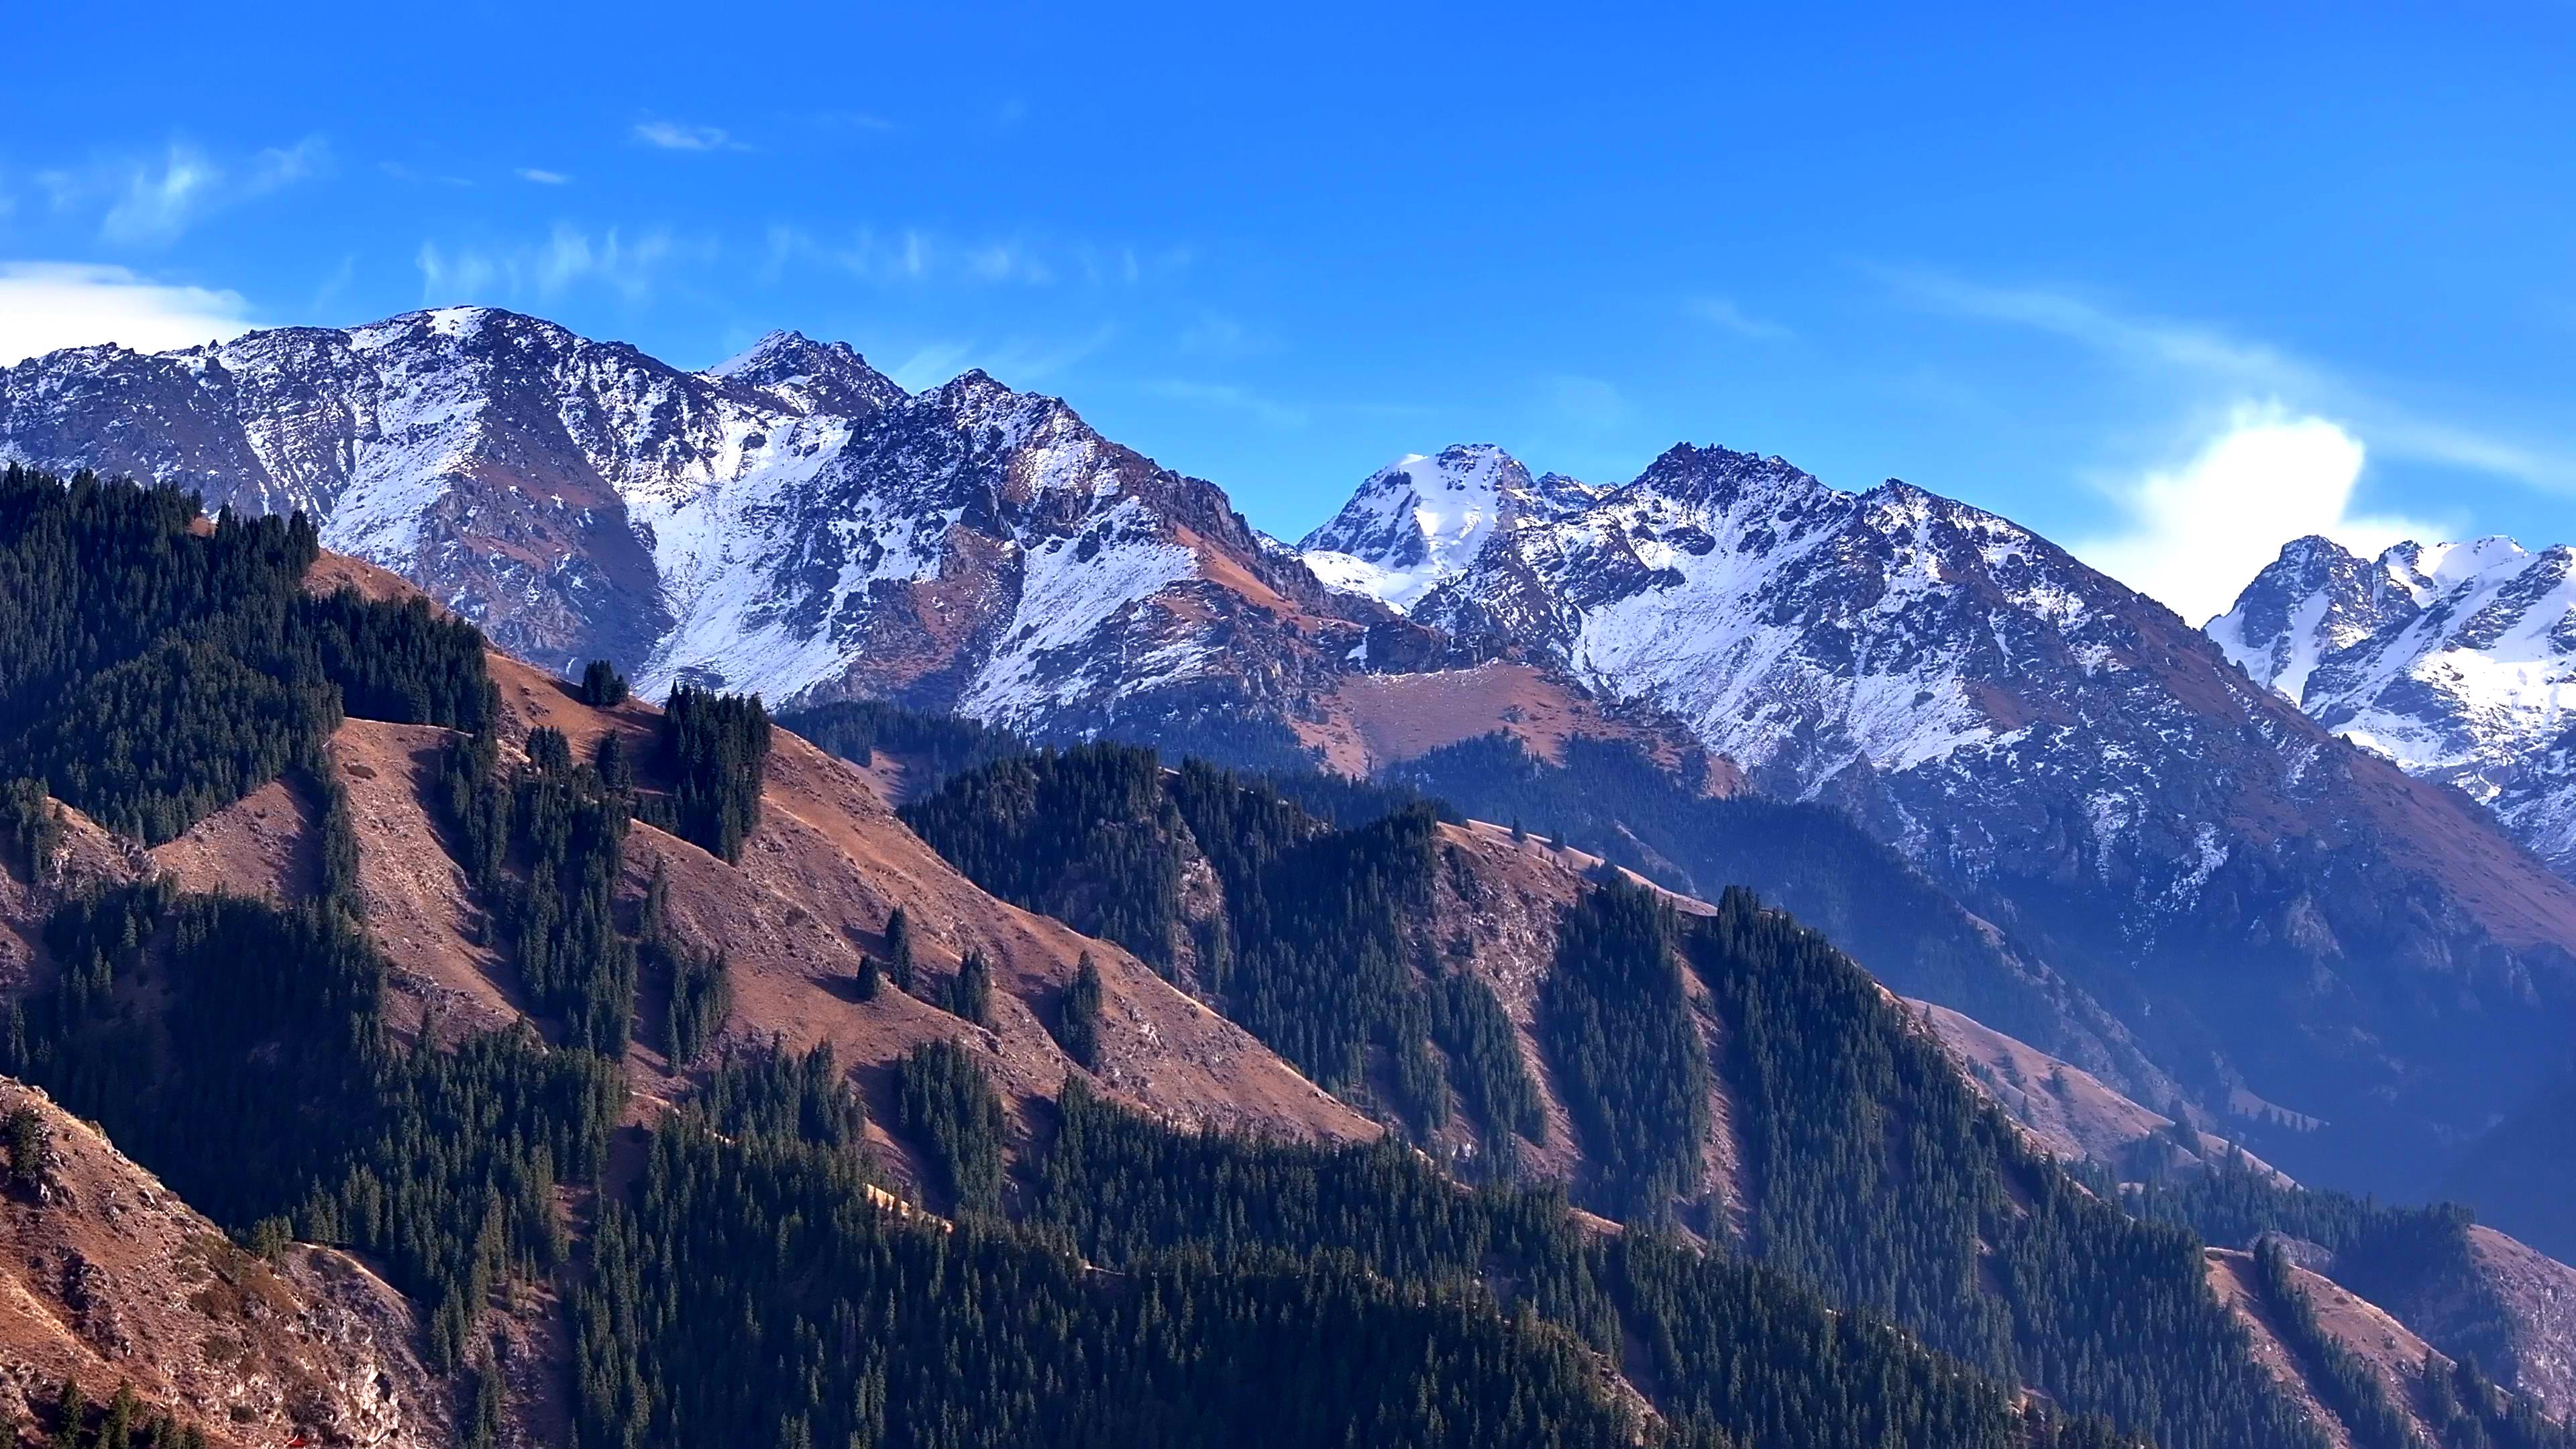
(602, 687)
(1878, 1173)
(31, 829)
(401, 661)
(545, 847)
(2346, 1385)
(902, 966)
(1316, 948)
(1486, 1067)
(1321, 925)
(844, 1325)
(1077, 1016)
(1609, 798)
(715, 753)
(156, 671)
(934, 748)
(946, 1105)
(969, 995)
(1629, 1060)
(785, 1097)
(697, 982)
(248, 1066)
(1086, 835)
(120, 1423)
(1729, 1351)
(336, 883)
(22, 1140)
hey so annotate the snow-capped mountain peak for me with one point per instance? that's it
(1420, 521)
(2456, 660)
(2314, 599)
(809, 376)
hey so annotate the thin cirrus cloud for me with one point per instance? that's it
(911, 255)
(1726, 315)
(632, 264)
(2237, 370)
(50, 305)
(1229, 397)
(2273, 449)
(539, 176)
(674, 136)
(152, 200)
(1016, 362)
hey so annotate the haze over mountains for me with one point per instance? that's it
(2353, 965)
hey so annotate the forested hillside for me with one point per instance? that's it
(727, 1112)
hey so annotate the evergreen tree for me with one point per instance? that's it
(602, 687)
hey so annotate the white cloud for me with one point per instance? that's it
(47, 305)
(2227, 366)
(672, 136)
(1016, 362)
(540, 176)
(1724, 313)
(2199, 532)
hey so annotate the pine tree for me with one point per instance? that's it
(1078, 1019)
(601, 685)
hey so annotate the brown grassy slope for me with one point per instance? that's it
(1506, 900)
(1371, 721)
(105, 1277)
(812, 892)
(2068, 1111)
(2393, 1354)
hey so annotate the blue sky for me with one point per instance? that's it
(2167, 283)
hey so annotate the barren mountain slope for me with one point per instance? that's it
(2392, 1353)
(106, 1278)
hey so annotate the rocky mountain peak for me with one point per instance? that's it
(1421, 521)
(808, 377)
(2315, 598)
(2452, 659)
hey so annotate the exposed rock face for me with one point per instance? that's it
(789, 521)
(2286, 921)
(2289, 926)
(2455, 660)
(106, 1278)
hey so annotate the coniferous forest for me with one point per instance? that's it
(1744, 1101)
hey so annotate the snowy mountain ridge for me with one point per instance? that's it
(2085, 770)
(789, 521)
(2456, 660)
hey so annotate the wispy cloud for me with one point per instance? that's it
(50, 305)
(1588, 401)
(2195, 532)
(850, 121)
(541, 177)
(411, 175)
(2236, 371)
(912, 255)
(1017, 361)
(153, 200)
(1215, 334)
(1723, 313)
(673, 136)
(1229, 397)
(629, 263)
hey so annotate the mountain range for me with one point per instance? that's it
(404, 1044)
(2341, 960)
